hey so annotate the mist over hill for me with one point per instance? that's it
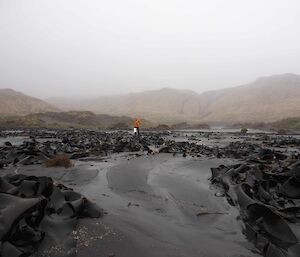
(71, 119)
(267, 99)
(17, 103)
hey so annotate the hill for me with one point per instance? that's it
(16, 103)
(289, 124)
(265, 100)
(76, 119)
(165, 105)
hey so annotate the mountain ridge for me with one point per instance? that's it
(264, 99)
(16, 103)
(267, 99)
(71, 119)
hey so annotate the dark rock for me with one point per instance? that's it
(7, 143)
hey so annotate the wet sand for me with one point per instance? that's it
(157, 205)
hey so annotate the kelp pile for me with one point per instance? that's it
(34, 213)
(267, 194)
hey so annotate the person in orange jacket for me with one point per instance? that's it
(136, 129)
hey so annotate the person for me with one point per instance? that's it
(136, 128)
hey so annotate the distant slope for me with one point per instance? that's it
(16, 103)
(76, 119)
(265, 100)
(288, 124)
(164, 105)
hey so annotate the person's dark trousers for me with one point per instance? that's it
(137, 131)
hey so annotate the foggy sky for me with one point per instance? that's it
(99, 47)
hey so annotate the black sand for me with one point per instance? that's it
(158, 204)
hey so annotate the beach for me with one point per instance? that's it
(155, 203)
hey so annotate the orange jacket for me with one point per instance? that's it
(137, 123)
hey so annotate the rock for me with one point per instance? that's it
(7, 143)
(219, 194)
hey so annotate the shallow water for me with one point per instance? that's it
(13, 140)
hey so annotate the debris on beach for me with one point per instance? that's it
(35, 213)
(268, 197)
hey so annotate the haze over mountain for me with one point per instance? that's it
(90, 48)
(266, 99)
(74, 119)
(17, 103)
